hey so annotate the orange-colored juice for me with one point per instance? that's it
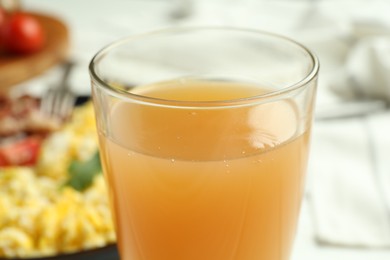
(205, 183)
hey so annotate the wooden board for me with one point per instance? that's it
(17, 68)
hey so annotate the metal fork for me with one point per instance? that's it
(58, 101)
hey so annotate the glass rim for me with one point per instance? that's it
(124, 95)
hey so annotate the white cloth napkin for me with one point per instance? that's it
(350, 181)
(367, 66)
(349, 173)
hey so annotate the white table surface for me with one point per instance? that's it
(95, 23)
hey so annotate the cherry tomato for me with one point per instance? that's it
(21, 34)
(22, 152)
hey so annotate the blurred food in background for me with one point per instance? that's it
(53, 197)
(22, 129)
(54, 200)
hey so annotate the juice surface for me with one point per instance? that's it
(205, 184)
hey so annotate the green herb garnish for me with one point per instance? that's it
(81, 174)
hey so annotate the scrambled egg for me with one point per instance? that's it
(39, 216)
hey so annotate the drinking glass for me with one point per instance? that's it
(204, 137)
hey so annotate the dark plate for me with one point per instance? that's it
(105, 253)
(108, 252)
(82, 99)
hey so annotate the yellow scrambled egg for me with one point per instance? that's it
(39, 216)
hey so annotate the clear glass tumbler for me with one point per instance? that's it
(204, 138)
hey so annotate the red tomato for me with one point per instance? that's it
(22, 152)
(21, 34)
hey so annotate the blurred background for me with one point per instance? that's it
(346, 209)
